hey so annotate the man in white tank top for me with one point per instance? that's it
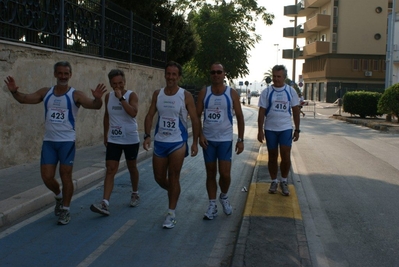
(173, 105)
(277, 104)
(219, 103)
(61, 105)
(120, 135)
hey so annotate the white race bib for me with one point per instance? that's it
(117, 132)
(214, 115)
(57, 115)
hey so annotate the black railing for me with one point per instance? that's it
(91, 27)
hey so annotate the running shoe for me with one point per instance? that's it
(227, 209)
(284, 189)
(58, 206)
(64, 217)
(169, 222)
(101, 208)
(134, 200)
(211, 213)
(273, 187)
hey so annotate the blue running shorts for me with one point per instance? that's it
(54, 152)
(218, 150)
(163, 149)
(275, 138)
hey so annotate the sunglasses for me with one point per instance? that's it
(213, 72)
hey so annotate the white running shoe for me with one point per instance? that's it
(211, 213)
(227, 209)
(169, 222)
(101, 208)
(134, 200)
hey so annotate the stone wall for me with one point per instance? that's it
(22, 126)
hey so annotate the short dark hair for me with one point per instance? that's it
(174, 64)
(62, 64)
(115, 72)
(218, 63)
(280, 67)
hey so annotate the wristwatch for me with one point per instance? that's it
(240, 140)
(298, 131)
(146, 136)
(122, 98)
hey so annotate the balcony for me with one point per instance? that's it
(296, 11)
(317, 48)
(317, 23)
(289, 54)
(314, 25)
(292, 31)
(315, 3)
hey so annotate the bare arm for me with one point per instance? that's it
(261, 120)
(89, 103)
(148, 119)
(190, 106)
(106, 121)
(295, 114)
(200, 109)
(131, 106)
(240, 120)
(33, 98)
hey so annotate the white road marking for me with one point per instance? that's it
(104, 246)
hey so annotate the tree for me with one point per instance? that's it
(225, 33)
(181, 45)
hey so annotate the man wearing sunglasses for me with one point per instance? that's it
(219, 103)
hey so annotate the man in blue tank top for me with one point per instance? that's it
(173, 105)
(219, 103)
(61, 104)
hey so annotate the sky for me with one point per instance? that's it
(265, 55)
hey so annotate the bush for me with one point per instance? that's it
(362, 103)
(389, 101)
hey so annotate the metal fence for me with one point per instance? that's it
(91, 27)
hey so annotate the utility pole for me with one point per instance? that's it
(294, 48)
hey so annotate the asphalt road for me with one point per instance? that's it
(134, 236)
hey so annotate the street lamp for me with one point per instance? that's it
(277, 51)
(294, 47)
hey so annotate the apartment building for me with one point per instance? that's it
(345, 47)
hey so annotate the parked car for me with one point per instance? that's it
(255, 93)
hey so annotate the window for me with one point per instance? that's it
(365, 64)
(334, 37)
(355, 64)
(375, 65)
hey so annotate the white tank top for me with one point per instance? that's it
(122, 127)
(172, 117)
(218, 116)
(60, 114)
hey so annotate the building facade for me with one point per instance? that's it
(345, 47)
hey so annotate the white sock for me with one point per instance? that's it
(284, 180)
(172, 212)
(106, 202)
(212, 202)
(223, 195)
(275, 180)
(65, 208)
(59, 196)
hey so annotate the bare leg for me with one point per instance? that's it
(211, 185)
(67, 184)
(112, 168)
(225, 178)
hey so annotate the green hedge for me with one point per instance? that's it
(389, 101)
(362, 103)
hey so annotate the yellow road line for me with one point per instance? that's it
(271, 205)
